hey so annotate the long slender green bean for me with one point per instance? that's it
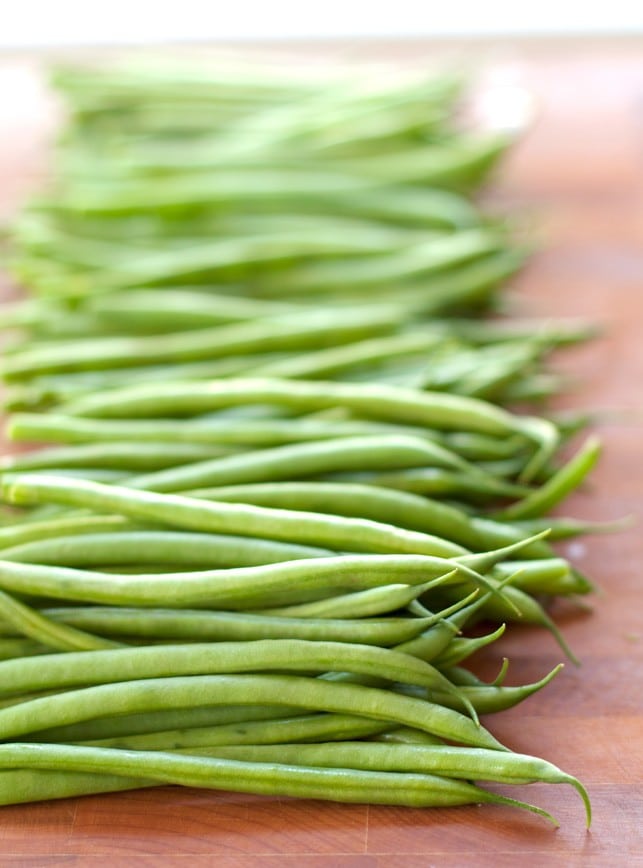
(240, 588)
(134, 457)
(209, 626)
(278, 334)
(296, 655)
(305, 460)
(202, 551)
(304, 728)
(36, 626)
(458, 762)
(269, 778)
(345, 534)
(147, 695)
(380, 504)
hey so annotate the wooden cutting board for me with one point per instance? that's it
(578, 176)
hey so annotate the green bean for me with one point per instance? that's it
(282, 333)
(433, 410)
(359, 604)
(308, 727)
(344, 534)
(159, 721)
(209, 626)
(147, 695)
(10, 648)
(488, 699)
(457, 163)
(460, 649)
(565, 528)
(307, 459)
(457, 762)
(439, 411)
(35, 531)
(558, 487)
(135, 457)
(390, 267)
(130, 664)
(434, 641)
(435, 482)
(240, 588)
(336, 360)
(202, 551)
(470, 284)
(547, 576)
(406, 735)
(255, 432)
(518, 605)
(52, 634)
(21, 785)
(226, 186)
(51, 389)
(379, 504)
(180, 309)
(269, 778)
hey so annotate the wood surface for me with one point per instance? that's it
(578, 176)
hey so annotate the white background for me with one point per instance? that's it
(29, 23)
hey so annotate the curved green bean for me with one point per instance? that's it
(154, 694)
(457, 762)
(270, 778)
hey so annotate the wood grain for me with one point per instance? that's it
(578, 174)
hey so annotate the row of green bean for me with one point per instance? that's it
(283, 489)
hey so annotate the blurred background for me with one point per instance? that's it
(72, 22)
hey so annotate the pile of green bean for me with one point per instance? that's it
(281, 471)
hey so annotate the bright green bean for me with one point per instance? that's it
(52, 634)
(135, 457)
(308, 727)
(202, 551)
(282, 333)
(130, 664)
(558, 487)
(307, 459)
(457, 762)
(489, 699)
(379, 504)
(153, 694)
(336, 532)
(209, 626)
(269, 778)
(240, 588)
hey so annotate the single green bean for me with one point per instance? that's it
(34, 531)
(488, 699)
(207, 626)
(308, 459)
(153, 694)
(10, 648)
(457, 762)
(281, 333)
(159, 721)
(144, 547)
(255, 432)
(130, 664)
(380, 504)
(460, 649)
(558, 487)
(135, 457)
(52, 634)
(335, 532)
(341, 785)
(240, 588)
(308, 727)
(360, 604)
